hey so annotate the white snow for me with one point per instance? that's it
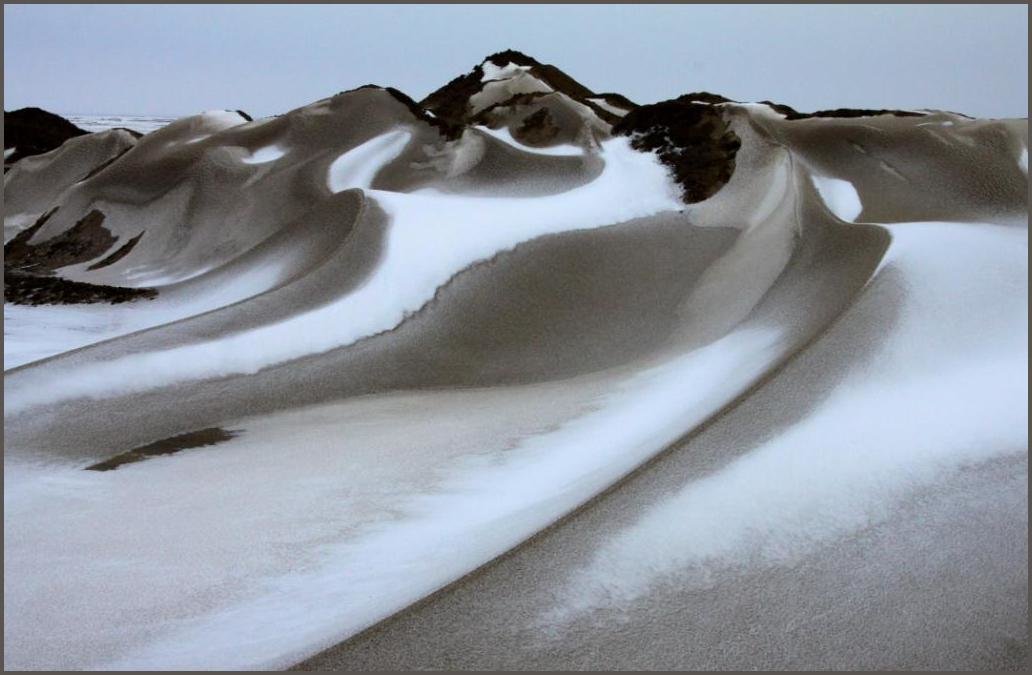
(504, 135)
(947, 389)
(431, 237)
(9, 151)
(33, 333)
(269, 153)
(357, 167)
(1023, 161)
(509, 70)
(840, 197)
(607, 106)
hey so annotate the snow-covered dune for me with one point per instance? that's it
(673, 374)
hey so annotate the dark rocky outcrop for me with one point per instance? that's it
(538, 128)
(451, 102)
(693, 139)
(33, 131)
(484, 116)
(167, 446)
(705, 97)
(558, 80)
(120, 253)
(22, 288)
(29, 268)
(791, 113)
(85, 240)
(618, 100)
(446, 128)
(863, 112)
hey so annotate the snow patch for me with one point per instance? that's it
(505, 136)
(840, 197)
(608, 107)
(269, 153)
(493, 72)
(357, 167)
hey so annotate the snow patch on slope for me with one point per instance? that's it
(608, 107)
(505, 136)
(357, 167)
(840, 197)
(269, 153)
(493, 72)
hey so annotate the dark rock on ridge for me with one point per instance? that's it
(122, 252)
(451, 102)
(791, 113)
(22, 288)
(34, 131)
(484, 115)
(618, 100)
(86, 240)
(447, 129)
(693, 139)
(29, 268)
(704, 97)
(559, 80)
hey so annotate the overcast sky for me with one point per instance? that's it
(265, 59)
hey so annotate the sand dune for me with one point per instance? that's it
(518, 377)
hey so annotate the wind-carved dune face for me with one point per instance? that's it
(397, 339)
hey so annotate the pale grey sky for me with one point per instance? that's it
(181, 59)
